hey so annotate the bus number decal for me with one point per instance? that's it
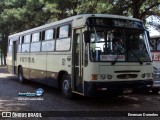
(27, 59)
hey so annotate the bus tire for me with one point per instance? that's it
(20, 75)
(66, 87)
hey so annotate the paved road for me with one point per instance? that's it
(53, 100)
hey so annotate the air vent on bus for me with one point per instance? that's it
(127, 76)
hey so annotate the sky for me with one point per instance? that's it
(151, 29)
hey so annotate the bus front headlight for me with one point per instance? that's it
(109, 76)
(148, 75)
(143, 75)
(103, 76)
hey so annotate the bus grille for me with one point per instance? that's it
(127, 76)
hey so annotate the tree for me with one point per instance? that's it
(136, 8)
(140, 9)
(20, 15)
(94, 6)
(61, 9)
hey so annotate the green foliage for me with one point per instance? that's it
(62, 8)
(136, 8)
(19, 15)
(94, 6)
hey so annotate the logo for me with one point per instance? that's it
(39, 92)
(6, 114)
(37, 95)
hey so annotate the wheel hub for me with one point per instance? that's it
(66, 86)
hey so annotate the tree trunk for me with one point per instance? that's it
(1, 59)
(4, 45)
(4, 57)
(136, 9)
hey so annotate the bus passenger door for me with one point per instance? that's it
(14, 57)
(77, 68)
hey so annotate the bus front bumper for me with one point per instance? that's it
(117, 87)
(156, 79)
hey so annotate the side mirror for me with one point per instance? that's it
(87, 35)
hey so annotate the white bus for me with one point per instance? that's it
(155, 49)
(90, 55)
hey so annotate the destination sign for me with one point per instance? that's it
(114, 22)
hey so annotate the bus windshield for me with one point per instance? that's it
(118, 44)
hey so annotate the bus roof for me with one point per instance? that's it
(155, 36)
(81, 21)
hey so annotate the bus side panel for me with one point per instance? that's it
(23, 61)
(38, 67)
(55, 64)
(9, 62)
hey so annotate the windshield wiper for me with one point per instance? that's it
(115, 60)
(136, 56)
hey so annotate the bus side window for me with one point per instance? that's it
(19, 44)
(48, 43)
(64, 31)
(10, 42)
(27, 38)
(10, 49)
(63, 38)
(49, 34)
(10, 46)
(36, 37)
(35, 44)
(26, 43)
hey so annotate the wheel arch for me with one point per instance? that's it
(60, 75)
(19, 66)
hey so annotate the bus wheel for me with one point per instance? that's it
(66, 87)
(20, 75)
